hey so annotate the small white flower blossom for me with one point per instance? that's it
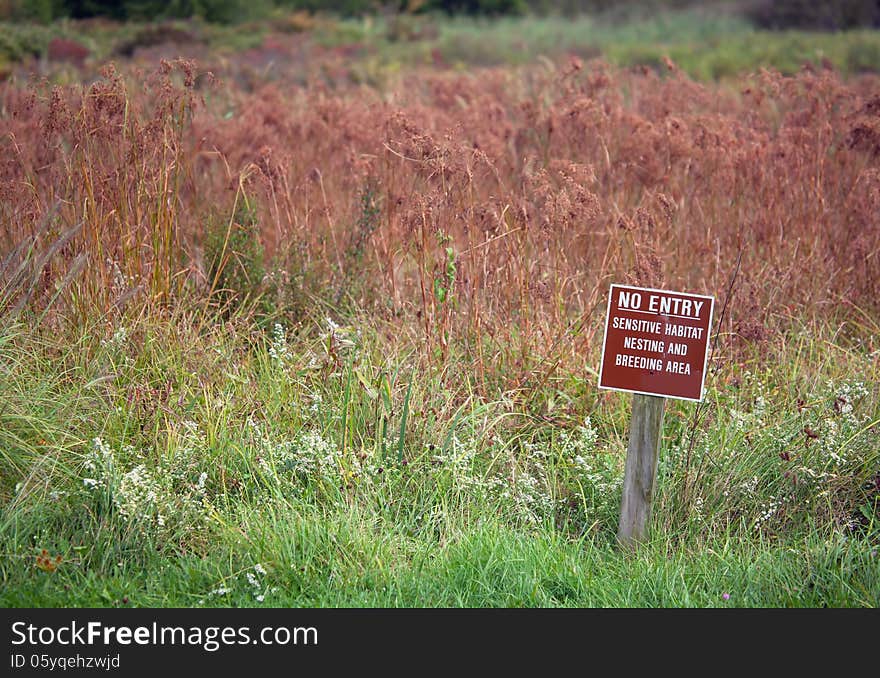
(278, 349)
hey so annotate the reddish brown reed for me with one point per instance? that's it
(504, 202)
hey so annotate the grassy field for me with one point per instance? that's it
(178, 467)
(322, 328)
(707, 44)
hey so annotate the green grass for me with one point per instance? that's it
(353, 473)
(706, 45)
(340, 561)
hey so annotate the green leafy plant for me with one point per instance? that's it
(234, 257)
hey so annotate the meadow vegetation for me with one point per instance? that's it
(290, 327)
(707, 43)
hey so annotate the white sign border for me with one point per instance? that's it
(705, 356)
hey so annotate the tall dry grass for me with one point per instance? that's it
(490, 210)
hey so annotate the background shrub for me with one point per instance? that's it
(807, 14)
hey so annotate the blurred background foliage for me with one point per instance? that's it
(710, 40)
(766, 14)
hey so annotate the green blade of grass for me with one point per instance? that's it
(403, 419)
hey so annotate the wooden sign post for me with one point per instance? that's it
(655, 346)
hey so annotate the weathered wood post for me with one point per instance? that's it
(640, 474)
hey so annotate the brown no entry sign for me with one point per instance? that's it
(655, 342)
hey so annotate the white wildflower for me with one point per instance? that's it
(278, 349)
(118, 338)
(102, 448)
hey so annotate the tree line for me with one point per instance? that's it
(768, 14)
